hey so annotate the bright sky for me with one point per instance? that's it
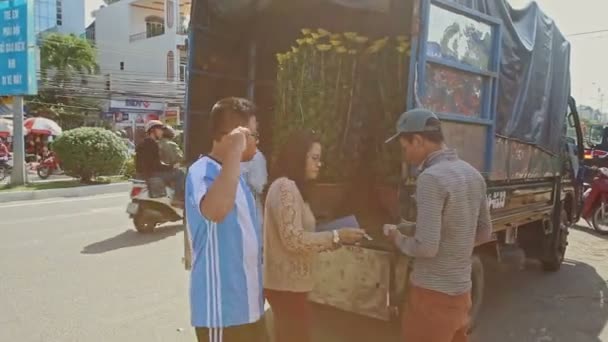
(589, 52)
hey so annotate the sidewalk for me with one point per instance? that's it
(71, 191)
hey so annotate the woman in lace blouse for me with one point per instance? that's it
(290, 240)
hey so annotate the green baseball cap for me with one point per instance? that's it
(414, 121)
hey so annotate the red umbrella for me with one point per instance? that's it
(41, 125)
(6, 128)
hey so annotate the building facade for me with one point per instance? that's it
(64, 16)
(144, 38)
(141, 46)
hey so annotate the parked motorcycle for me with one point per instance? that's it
(151, 205)
(48, 166)
(595, 201)
(6, 167)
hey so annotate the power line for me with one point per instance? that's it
(134, 51)
(586, 33)
(62, 105)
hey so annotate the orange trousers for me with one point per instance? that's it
(432, 316)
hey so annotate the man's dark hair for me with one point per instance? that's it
(291, 161)
(433, 134)
(228, 114)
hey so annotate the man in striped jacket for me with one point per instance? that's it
(452, 217)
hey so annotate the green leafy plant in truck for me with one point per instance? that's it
(316, 89)
(348, 88)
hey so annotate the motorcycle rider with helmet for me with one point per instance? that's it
(148, 164)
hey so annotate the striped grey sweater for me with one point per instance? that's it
(452, 215)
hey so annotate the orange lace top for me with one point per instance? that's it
(290, 240)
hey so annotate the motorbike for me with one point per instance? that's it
(595, 201)
(6, 166)
(151, 205)
(48, 166)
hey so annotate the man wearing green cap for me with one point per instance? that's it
(452, 217)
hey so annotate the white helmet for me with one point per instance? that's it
(152, 124)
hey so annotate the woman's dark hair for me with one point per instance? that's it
(291, 161)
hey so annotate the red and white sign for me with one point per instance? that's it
(137, 104)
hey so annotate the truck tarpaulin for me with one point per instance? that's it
(240, 8)
(534, 83)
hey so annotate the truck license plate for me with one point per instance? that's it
(132, 208)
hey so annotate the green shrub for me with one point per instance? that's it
(129, 169)
(89, 152)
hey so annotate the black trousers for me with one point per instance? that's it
(254, 332)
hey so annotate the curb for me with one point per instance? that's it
(80, 191)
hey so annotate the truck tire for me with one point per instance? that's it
(556, 243)
(478, 280)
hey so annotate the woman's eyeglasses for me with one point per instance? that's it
(316, 158)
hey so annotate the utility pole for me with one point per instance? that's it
(18, 173)
(251, 71)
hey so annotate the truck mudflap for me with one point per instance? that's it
(357, 280)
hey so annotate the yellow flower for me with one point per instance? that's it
(323, 33)
(341, 49)
(361, 39)
(300, 41)
(350, 35)
(373, 48)
(401, 49)
(336, 42)
(323, 47)
(381, 42)
(309, 41)
(315, 36)
(352, 52)
(335, 36)
(306, 31)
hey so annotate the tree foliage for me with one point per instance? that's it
(66, 56)
(65, 62)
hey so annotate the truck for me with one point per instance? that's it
(497, 77)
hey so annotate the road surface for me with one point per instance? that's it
(74, 270)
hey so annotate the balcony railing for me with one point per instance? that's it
(144, 35)
(138, 36)
(182, 30)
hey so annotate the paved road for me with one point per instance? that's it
(74, 270)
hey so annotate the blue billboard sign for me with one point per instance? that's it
(17, 48)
